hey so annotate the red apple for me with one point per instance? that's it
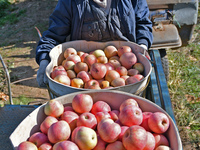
(74, 58)
(101, 144)
(129, 101)
(87, 119)
(150, 145)
(117, 145)
(65, 145)
(98, 70)
(80, 66)
(102, 115)
(70, 51)
(82, 103)
(68, 65)
(58, 70)
(130, 115)
(102, 59)
(158, 122)
(109, 66)
(114, 58)
(64, 79)
(90, 59)
(123, 49)
(160, 139)
(68, 108)
(71, 118)
(114, 114)
(122, 70)
(84, 75)
(115, 63)
(111, 75)
(45, 146)
(131, 80)
(83, 56)
(132, 72)
(100, 106)
(77, 82)
(163, 147)
(54, 108)
(144, 123)
(80, 53)
(84, 137)
(71, 74)
(46, 123)
(128, 59)
(110, 51)
(123, 130)
(92, 84)
(118, 82)
(125, 77)
(27, 145)
(108, 130)
(139, 67)
(139, 77)
(59, 131)
(135, 138)
(38, 138)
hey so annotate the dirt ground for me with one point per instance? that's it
(20, 41)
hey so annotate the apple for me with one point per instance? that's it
(102, 115)
(80, 53)
(74, 58)
(53, 108)
(83, 56)
(70, 51)
(65, 145)
(68, 108)
(150, 145)
(114, 58)
(117, 145)
(110, 51)
(101, 144)
(80, 66)
(118, 82)
(90, 59)
(115, 63)
(111, 75)
(108, 130)
(125, 77)
(87, 119)
(163, 147)
(38, 138)
(104, 84)
(98, 70)
(59, 131)
(122, 70)
(46, 123)
(84, 75)
(77, 82)
(139, 76)
(82, 103)
(97, 53)
(123, 49)
(68, 65)
(45, 146)
(144, 123)
(132, 72)
(57, 70)
(139, 67)
(92, 84)
(135, 138)
(84, 137)
(160, 139)
(131, 115)
(71, 74)
(27, 145)
(158, 122)
(114, 114)
(128, 59)
(102, 59)
(71, 118)
(126, 102)
(64, 79)
(123, 130)
(100, 106)
(131, 80)
(109, 66)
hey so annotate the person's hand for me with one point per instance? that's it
(145, 52)
(41, 75)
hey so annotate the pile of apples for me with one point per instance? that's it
(89, 125)
(99, 69)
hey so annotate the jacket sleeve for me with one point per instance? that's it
(144, 25)
(59, 29)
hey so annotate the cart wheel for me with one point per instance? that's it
(165, 62)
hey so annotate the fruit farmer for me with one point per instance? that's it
(94, 20)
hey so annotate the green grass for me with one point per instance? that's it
(22, 100)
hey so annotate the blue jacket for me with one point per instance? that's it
(131, 24)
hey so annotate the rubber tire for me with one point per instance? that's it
(165, 63)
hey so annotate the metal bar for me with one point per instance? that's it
(8, 79)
